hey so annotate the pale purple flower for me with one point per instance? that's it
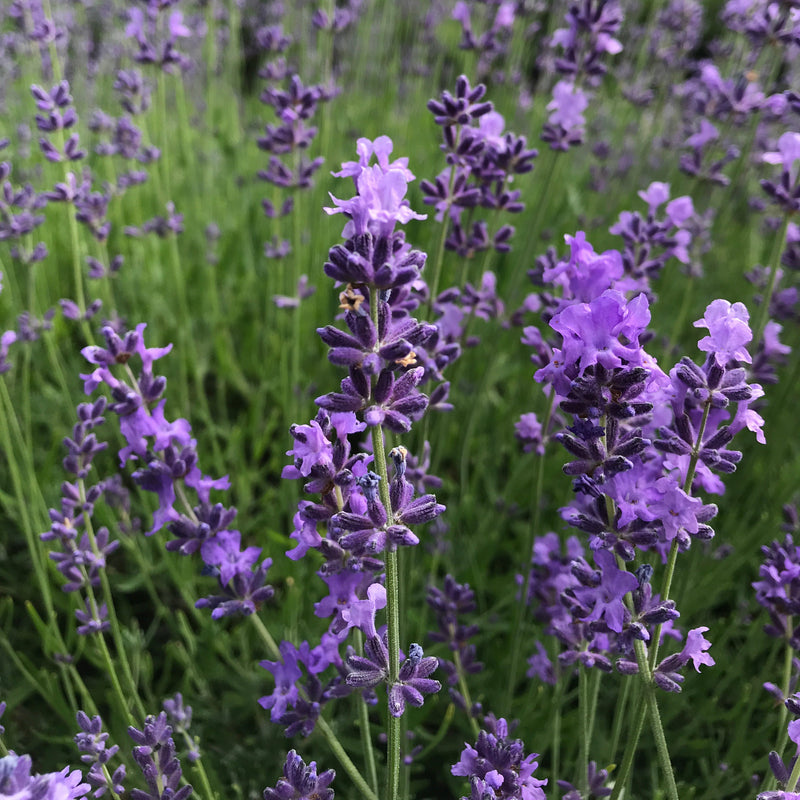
(224, 551)
(728, 329)
(696, 647)
(787, 155)
(361, 613)
(567, 106)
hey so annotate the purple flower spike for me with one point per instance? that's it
(379, 205)
(286, 674)
(301, 782)
(162, 773)
(499, 764)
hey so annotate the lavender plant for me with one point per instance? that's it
(570, 617)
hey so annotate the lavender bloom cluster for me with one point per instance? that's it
(482, 161)
(497, 767)
(381, 391)
(83, 552)
(451, 605)
(643, 444)
(168, 462)
(589, 37)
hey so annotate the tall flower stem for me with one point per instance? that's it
(624, 770)
(516, 637)
(464, 689)
(774, 268)
(392, 594)
(438, 262)
(583, 706)
(132, 696)
(648, 702)
(363, 722)
(673, 551)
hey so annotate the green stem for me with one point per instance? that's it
(266, 637)
(635, 733)
(620, 714)
(349, 767)
(583, 706)
(655, 721)
(363, 720)
(392, 595)
(462, 685)
(558, 701)
(774, 269)
(437, 264)
(201, 772)
(116, 631)
(533, 529)
(333, 742)
(791, 784)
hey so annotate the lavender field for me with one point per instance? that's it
(397, 400)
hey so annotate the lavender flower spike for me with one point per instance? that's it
(301, 782)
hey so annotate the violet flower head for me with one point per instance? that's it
(361, 613)
(565, 126)
(589, 37)
(499, 764)
(16, 781)
(604, 599)
(301, 782)
(667, 675)
(786, 191)
(154, 754)
(380, 203)
(596, 782)
(729, 332)
(286, 673)
(412, 684)
(92, 742)
(180, 717)
(451, 606)
(462, 108)
(778, 589)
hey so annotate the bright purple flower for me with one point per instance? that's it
(787, 154)
(592, 331)
(729, 331)
(676, 509)
(381, 148)
(413, 681)
(224, 551)
(695, 648)
(286, 674)
(500, 762)
(794, 734)
(379, 205)
(606, 599)
(311, 448)
(154, 754)
(361, 613)
(7, 338)
(567, 107)
(301, 782)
